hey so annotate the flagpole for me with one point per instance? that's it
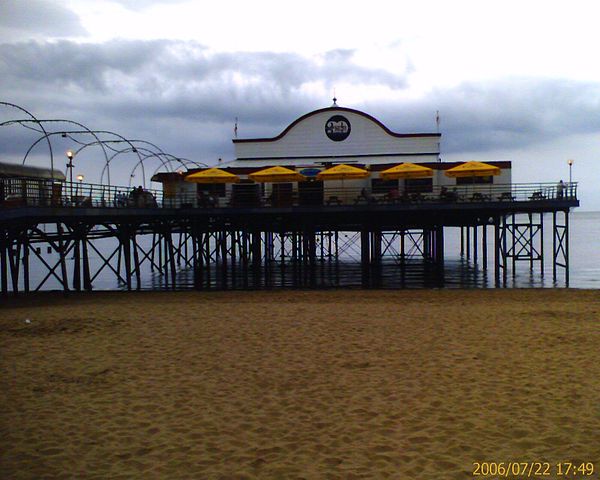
(437, 126)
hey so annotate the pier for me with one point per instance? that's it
(265, 245)
(336, 199)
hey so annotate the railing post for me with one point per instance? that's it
(3, 261)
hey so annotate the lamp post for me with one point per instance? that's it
(570, 162)
(70, 167)
(80, 178)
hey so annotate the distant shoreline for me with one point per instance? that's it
(51, 296)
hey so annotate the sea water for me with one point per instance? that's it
(458, 272)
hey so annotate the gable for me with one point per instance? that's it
(333, 132)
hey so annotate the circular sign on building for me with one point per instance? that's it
(337, 128)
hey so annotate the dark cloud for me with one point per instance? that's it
(175, 94)
(85, 67)
(175, 79)
(38, 17)
(185, 98)
(505, 113)
(518, 112)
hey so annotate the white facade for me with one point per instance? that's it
(337, 135)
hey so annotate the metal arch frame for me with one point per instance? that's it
(86, 130)
(151, 154)
(93, 133)
(162, 152)
(139, 157)
(36, 120)
(68, 133)
(148, 143)
(105, 143)
(141, 160)
(137, 150)
(115, 154)
(121, 137)
(61, 132)
(186, 161)
(183, 163)
(173, 157)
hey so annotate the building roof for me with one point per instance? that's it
(245, 169)
(162, 177)
(335, 109)
(18, 170)
(339, 135)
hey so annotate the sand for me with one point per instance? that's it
(301, 384)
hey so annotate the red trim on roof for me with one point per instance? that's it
(174, 176)
(162, 177)
(336, 109)
(438, 165)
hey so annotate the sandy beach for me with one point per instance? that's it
(297, 384)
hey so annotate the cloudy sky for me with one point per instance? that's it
(512, 80)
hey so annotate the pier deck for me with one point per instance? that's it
(217, 242)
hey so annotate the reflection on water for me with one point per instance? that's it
(457, 272)
(414, 274)
(347, 273)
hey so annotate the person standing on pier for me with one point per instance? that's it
(560, 189)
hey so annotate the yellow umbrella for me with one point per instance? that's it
(212, 175)
(472, 169)
(406, 170)
(277, 174)
(342, 172)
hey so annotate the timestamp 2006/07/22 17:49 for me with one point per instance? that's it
(533, 469)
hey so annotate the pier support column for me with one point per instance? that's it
(15, 245)
(500, 250)
(4, 261)
(365, 259)
(87, 281)
(196, 255)
(81, 268)
(439, 246)
(62, 251)
(475, 246)
(312, 257)
(76, 259)
(26, 246)
(256, 257)
(376, 258)
(560, 245)
(468, 242)
(484, 250)
(525, 241)
(125, 240)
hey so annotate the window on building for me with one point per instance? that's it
(383, 186)
(419, 185)
(474, 180)
(212, 188)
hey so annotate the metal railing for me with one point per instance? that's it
(15, 192)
